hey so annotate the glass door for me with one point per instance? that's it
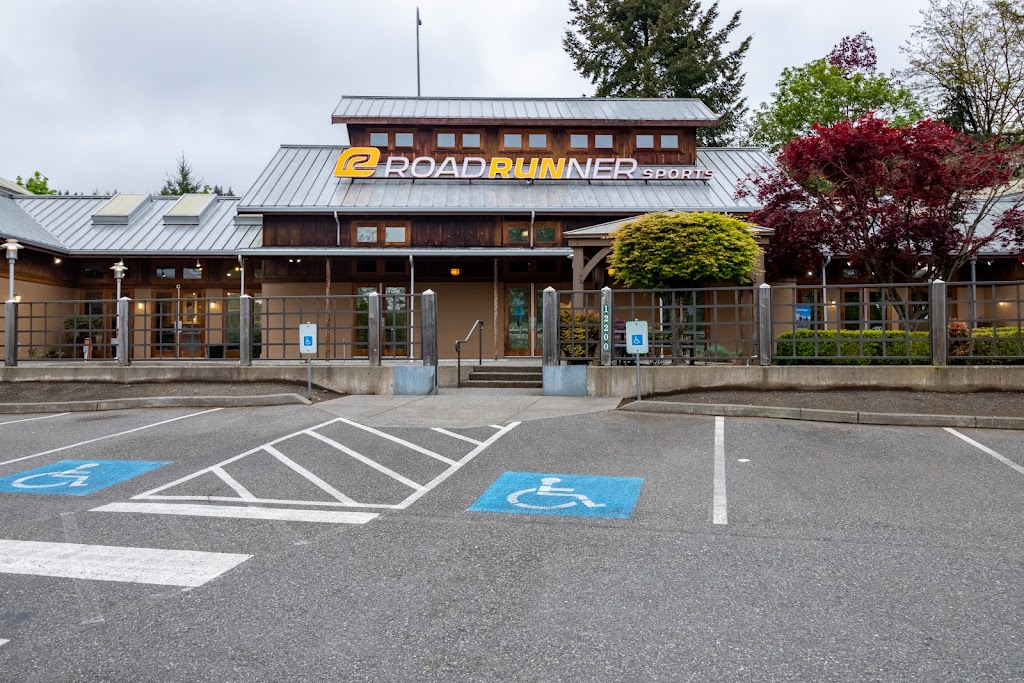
(524, 334)
(395, 322)
(179, 326)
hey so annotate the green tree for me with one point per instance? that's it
(967, 59)
(184, 181)
(661, 48)
(667, 250)
(36, 184)
(841, 87)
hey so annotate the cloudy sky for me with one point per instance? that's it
(106, 94)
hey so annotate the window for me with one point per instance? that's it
(670, 141)
(544, 234)
(390, 234)
(394, 266)
(366, 267)
(379, 139)
(645, 141)
(192, 273)
(471, 140)
(395, 234)
(166, 273)
(446, 140)
(603, 141)
(517, 235)
(538, 140)
(512, 141)
(403, 139)
(579, 141)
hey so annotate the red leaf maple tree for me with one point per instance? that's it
(902, 204)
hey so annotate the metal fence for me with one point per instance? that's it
(363, 327)
(840, 324)
(854, 324)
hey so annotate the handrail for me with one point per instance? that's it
(458, 350)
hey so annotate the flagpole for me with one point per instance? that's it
(418, 24)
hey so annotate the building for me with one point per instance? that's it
(484, 201)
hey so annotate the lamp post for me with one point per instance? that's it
(12, 247)
(119, 269)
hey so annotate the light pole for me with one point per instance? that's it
(119, 268)
(12, 247)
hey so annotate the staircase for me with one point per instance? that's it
(508, 377)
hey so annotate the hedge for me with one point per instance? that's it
(849, 344)
(1006, 346)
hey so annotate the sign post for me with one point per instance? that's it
(636, 343)
(307, 345)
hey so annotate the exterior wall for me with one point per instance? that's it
(45, 331)
(459, 306)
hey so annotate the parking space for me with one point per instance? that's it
(778, 546)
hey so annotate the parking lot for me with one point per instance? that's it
(321, 543)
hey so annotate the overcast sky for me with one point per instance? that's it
(106, 94)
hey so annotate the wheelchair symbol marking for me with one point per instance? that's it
(73, 477)
(546, 489)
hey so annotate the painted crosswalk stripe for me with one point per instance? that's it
(188, 568)
(2, 641)
(238, 512)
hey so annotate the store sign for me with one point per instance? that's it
(365, 162)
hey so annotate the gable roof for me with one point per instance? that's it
(628, 111)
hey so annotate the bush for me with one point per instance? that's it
(1007, 342)
(579, 332)
(838, 347)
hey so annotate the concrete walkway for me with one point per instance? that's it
(462, 408)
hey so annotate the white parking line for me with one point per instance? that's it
(2, 641)
(108, 436)
(363, 459)
(29, 419)
(454, 435)
(325, 516)
(721, 514)
(315, 480)
(190, 568)
(403, 442)
(985, 449)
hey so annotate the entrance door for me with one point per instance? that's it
(179, 326)
(523, 324)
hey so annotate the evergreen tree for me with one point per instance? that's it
(183, 181)
(661, 48)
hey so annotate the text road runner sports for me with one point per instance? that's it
(363, 162)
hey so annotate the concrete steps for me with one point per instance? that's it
(509, 377)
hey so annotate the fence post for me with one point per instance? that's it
(124, 328)
(245, 328)
(373, 333)
(11, 334)
(429, 322)
(606, 326)
(764, 324)
(549, 326)
(937, 320)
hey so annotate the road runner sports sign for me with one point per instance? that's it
(365, 162)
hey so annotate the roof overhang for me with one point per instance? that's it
(450, 252)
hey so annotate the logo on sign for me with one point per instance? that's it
(357, 162)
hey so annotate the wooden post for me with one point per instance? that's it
(497, 312)
(11, 333)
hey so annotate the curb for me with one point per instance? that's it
(815, 415)
(155, 402)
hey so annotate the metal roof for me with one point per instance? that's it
(9, 188)
(301, 179)
(16, 223)
(633, 111)
(606, 229)
(69, 221)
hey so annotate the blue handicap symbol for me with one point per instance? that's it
(638, 340)
(76, 477)
(561, 494)
(307, 340)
